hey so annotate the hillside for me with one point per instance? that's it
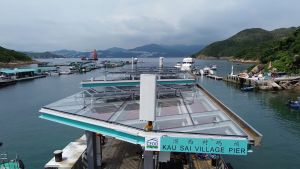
(150, 50)
(247, 44)
(284, 54)
(7, 56)
(43, 55)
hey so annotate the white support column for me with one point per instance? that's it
(99, 150)
(148, 160)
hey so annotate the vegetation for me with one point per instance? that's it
(7, 56)
(247, 44)
(281, 46)
(284, 54)
(43, 55)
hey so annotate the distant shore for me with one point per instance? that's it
(244, 61)
(231, 59)
(17, 64)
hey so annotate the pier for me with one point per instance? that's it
(188, 121)
(265, 84)
(214, 77)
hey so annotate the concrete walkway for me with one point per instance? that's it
(121, 155)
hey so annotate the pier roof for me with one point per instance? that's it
(16, 70)
(184, 110)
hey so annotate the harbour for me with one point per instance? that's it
(149, 85)
(219, 89)
(110, 108)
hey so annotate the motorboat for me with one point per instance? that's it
(207, 71)
(178, 65)
(65, 72)
(187, 64)
(295, 104)
(54, 73)
(4, 81)
(213, 67)
(247, 88)
(243, 75)
(5, 163)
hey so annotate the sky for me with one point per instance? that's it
(45, 25)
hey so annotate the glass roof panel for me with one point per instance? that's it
(180, 108)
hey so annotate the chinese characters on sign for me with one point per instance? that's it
(204, 145)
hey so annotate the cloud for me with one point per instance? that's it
(84, 25)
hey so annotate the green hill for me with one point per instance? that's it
(247, 44)
(43, 55)
(7, 55)
(284, 54)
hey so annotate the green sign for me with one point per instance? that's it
(204, 145)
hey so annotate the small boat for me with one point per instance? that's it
(7, 81)
(201, 72)
(83, 58)
(65, 72)
(94, 55)
(295, 104)
(244, 75)
(207, 71)
(54, 73)
(10, 164)
(213, 67)
(178, 65)
(247, 89)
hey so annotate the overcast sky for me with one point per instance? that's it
(39, 25)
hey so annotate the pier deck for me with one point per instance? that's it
(122, 155)
(215, 77)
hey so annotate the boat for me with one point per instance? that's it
(65, 72)
(294, 104)
(201, 72)
(20, 74)
(54, 73)
(207, 71)
(83, 58)
(10, 164)
(213, 67)
(187, 64)
(178, 65)
(94, 55)
(247, 88)
(245, 75)
(6, 81)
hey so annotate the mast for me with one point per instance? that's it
(95, 57)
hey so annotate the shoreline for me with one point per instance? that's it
(244, 61)
(228, 58)
(17, 64)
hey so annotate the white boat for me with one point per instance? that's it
(178, 65)
(65, 72)
(54, 73)
(201, 72)
(207, 71)
(213, 67)
(187, 64)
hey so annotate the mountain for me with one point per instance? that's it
(151, 50)
(284, 54)
(43, 55)
(70, 53)
(187, 49)
(7, 55)
(246, 44)
(116, 49)
(168, 51)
